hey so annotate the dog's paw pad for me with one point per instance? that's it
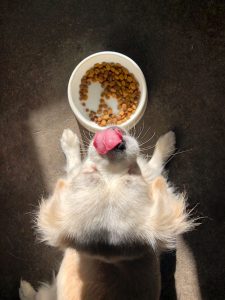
(69, 139)
(26, 291)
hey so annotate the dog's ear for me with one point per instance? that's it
(168, 216)
(48, 219)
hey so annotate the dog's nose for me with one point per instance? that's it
(121, 146)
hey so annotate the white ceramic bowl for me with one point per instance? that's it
(79, 72)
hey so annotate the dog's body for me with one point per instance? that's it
(111, 214)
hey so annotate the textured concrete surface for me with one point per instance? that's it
(180, 47)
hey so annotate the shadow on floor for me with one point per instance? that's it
(21, 188)
(168, 268)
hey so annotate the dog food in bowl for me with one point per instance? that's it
(117, 82)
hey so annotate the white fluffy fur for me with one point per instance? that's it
(100, 194)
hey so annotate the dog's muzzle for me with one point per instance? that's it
(110, 139)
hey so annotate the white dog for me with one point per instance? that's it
(111, 214)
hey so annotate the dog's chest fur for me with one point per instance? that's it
(97, 208)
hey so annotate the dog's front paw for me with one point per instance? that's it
(69, 140)
(26, 291)
(166, 144)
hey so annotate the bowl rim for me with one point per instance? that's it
(140, 108)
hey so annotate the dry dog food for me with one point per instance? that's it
(117, 82)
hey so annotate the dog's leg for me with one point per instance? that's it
(168, 216)
(71, 148)
(69, 283)
(164, 148)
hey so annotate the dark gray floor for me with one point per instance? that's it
(180, 47)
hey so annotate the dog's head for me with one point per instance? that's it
(113, 150)
(108, 209)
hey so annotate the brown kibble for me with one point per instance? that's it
(114, 120)
(124, 107)
(91, 74)
(101, 79)
(121, 77)
(133, 86)
(103, 122)
(117, 82)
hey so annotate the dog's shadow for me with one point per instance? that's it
(168, 268)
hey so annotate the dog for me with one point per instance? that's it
(112, 214)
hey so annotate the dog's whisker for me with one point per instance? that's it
(90, 135)
(147, 148)
(85, 148)
(84, 152)
(145, 133)
(146, 156)
(176, 153)
(148, 140)
(140, 132)
(85, 142)
(86, 137)
(132, 131)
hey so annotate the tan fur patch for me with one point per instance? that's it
(159, 183)
(60, 184)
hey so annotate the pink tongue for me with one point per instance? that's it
(107, 140)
